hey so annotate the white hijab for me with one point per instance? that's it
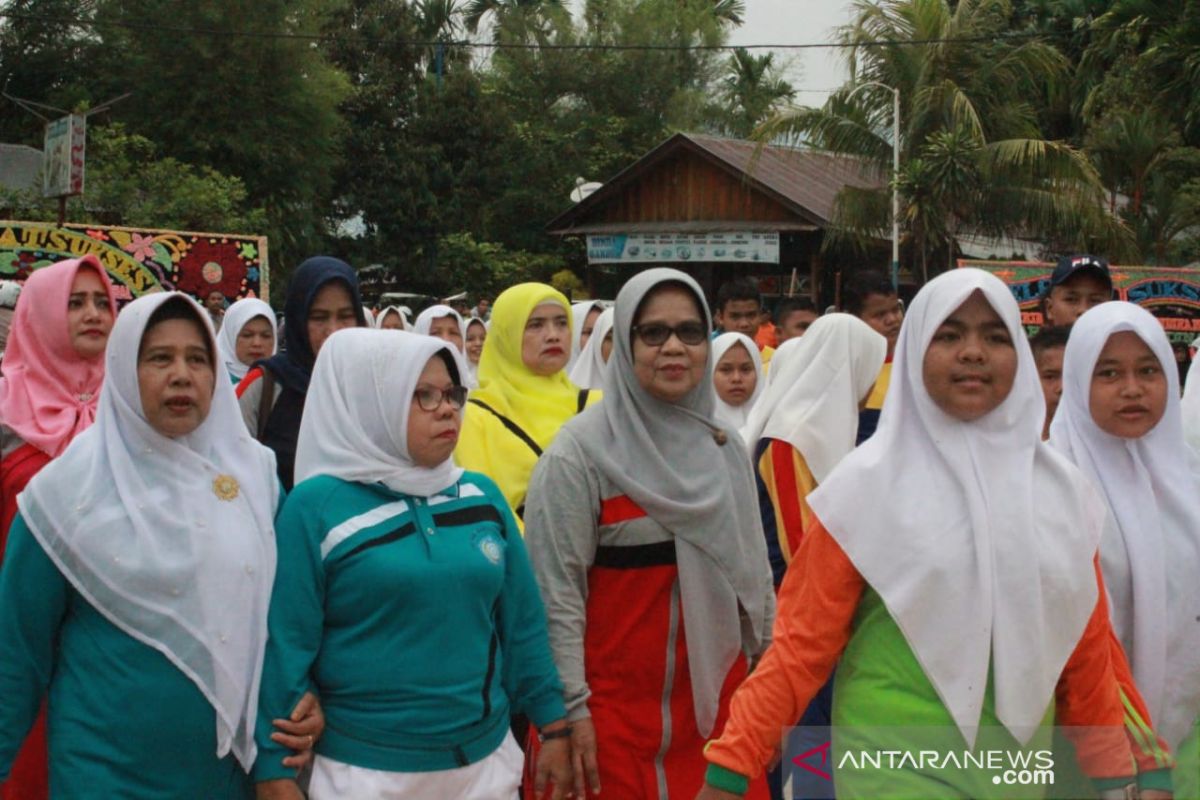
(1151, 555)
(383, 315)
(146, 530)
(735, 416)
(979, 538)
(579, 312)
(236, 317)
(472, 368)
(814, 388)
(424, 325)
(588, 372)
(1190, 407)
(355, 424)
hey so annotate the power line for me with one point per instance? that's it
(468, 44)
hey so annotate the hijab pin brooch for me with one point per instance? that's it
(226, 487)
(719, 437)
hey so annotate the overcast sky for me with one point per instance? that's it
(799, 22)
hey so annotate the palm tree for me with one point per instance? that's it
(972, 153)
(476, 10)
(751, 91)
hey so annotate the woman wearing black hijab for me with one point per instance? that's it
(322, 298)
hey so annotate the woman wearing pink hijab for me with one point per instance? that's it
(52, 371)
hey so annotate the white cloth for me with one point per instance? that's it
(1151, 555)
(588, 371)
(369, 317)
(355, 424)
(736, 416)
(236, 318)
(814, 389)
(134, 521)
(579, 312)
(978, 537)
(379, 318)
(424, 324)
(1190, 406)
(496, 777)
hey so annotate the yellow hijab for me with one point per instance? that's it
(538, 404)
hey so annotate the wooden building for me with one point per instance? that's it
(718, 209)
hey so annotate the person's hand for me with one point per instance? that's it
(583, 757)
(554, 764)
(711, 793)
(283, 789)
(301, 731)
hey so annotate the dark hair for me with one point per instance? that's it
(861, 286)
(179, 308)
(451, 365)
(790, 305)
(1049, 338)
(735, 290)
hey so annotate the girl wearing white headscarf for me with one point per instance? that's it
(584, 316)
(1151, 549)
(425, 320)
(728, 413)
(588, 371)
(408, 598)
(476, 337)
(642, 525)
(137, 577)
(239, 354)
(951, 563)
(392, 318)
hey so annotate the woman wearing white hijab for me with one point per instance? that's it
(951, 565)
(737, 376)
(248, 335)
(1190, 406)
(1119, 421)
(137, 577)
(588, 372)
(442, 322)
(407, 596)
(584, 316)
(392, 318)
(642, 525)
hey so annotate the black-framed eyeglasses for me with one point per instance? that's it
(430, 399)
(655, 334)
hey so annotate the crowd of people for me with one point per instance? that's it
(545, 549)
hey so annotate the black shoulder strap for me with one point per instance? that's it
(583, 398)
(265, 401)
(513, 427)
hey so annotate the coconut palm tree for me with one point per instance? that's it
(751, 91)
(477, 10)
(973, 157)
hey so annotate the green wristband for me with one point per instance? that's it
(726, 780)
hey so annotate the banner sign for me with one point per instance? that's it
(1172, 295)
(141, 261)
(63, 152)
(674, 248)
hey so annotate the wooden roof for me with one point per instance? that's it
(772, 188)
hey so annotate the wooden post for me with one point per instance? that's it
(62, 210)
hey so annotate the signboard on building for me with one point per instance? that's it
(1172, 295)
(141, 261)
(675, 248)
(63, 155)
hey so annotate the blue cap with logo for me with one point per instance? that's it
(1070, 266)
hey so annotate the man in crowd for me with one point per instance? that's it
(739, 306)
(793, 315)
(1077, 284)
(871, 297)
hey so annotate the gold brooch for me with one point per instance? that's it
(225, 487)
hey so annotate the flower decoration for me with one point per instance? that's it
(99, 236)
(141, 247)
(211, 265)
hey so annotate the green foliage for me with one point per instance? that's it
(482, 268)
(569, 284)
(128, 184)
(750, 93)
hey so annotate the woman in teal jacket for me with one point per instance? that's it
(405, 593)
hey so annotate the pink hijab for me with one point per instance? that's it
(48, 393)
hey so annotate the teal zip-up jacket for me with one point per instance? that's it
(417, 621)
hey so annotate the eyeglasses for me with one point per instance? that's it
(430, 399)
(655, 334)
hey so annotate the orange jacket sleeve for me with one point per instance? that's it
(816, 606)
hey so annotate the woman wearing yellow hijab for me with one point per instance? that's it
(524, 396)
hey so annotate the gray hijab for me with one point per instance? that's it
(667, 459)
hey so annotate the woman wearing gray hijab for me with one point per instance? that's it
(642, 524)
